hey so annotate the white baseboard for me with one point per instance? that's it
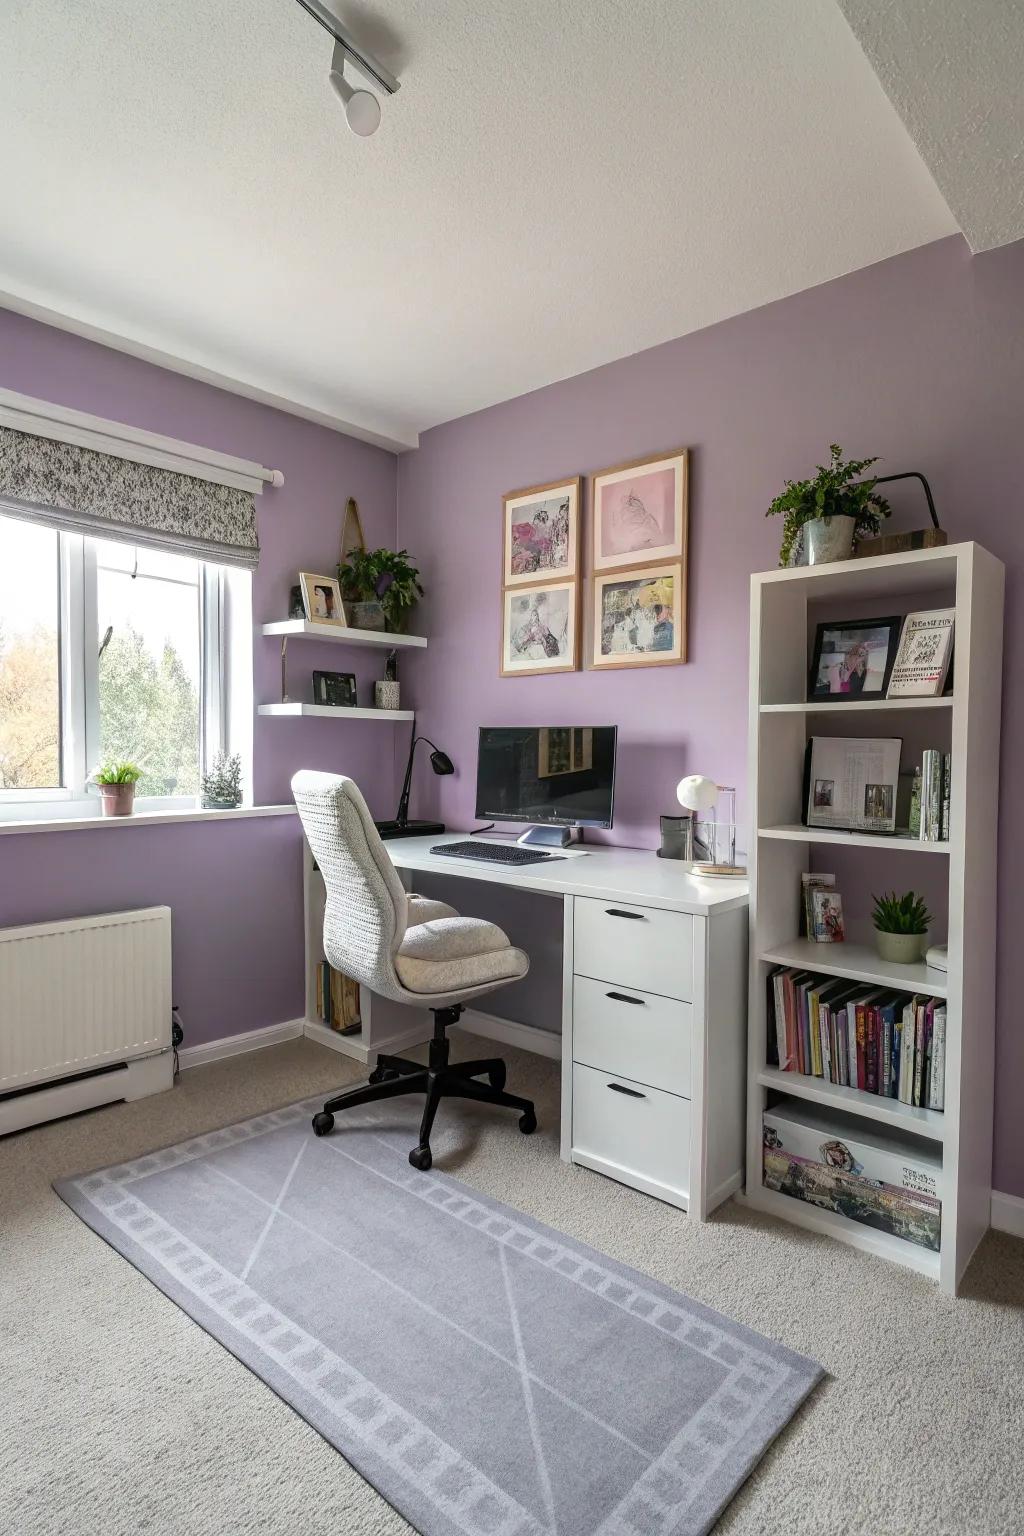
(541, 1041)
(1008, 1213)
(237, 1045)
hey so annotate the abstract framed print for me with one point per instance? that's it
(639, 617)
(541, 533)
(639, 512)
(539, 629)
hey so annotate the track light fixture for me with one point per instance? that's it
(362, 109)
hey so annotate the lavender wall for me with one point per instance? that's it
(919, 359)
(235, 887)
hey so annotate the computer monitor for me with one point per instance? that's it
(550, 775)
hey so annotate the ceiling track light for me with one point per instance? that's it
(362, 109)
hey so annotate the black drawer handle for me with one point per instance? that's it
(638, 917)
(632, 1093)
(624, 997)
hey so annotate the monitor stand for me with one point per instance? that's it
(550, 837)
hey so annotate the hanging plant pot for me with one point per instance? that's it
(827, 539)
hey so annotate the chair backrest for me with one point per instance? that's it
(365, 918)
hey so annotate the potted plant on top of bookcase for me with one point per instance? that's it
(822, 517)
(901, 927)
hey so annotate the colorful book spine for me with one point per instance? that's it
(918, 1052)
(937, 1086)
(852, 1079)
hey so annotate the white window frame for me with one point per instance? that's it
(79, 689)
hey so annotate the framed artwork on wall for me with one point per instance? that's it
(541, 533)
(639, 617)
(639, 512)
(539, 629)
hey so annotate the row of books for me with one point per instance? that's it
(929, 798)
(337, 1000)
(857, 1036)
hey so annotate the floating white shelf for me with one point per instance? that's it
(341, 634)
(800, 834)
(856, 706)
(860, 962)
(335, 712)
(907, 1117)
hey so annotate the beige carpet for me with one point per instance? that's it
(119, 1415)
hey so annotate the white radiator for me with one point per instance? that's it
(86, 1002)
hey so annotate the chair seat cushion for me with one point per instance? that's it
(424, 909)
(450, 953)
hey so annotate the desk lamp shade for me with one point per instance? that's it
(714, 835)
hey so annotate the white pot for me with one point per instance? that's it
(827, 539)
(901, 948)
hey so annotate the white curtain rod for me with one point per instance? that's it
(40, 418)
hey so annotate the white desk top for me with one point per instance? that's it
(607, 874)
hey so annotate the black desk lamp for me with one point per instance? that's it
(402, 826)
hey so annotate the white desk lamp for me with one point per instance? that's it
(715, 835)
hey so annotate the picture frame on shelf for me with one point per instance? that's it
(850, 783)
(639, 617)
(541, 533)
(924, 655)
(539, 629)
(336, 689)
(321, 597)
(639, 512)
(853, 659)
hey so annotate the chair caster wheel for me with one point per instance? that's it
(323, 1123)
(528, 1123)
(497, 1079)
(382, 1075)
(420, 1158)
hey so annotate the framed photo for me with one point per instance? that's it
(851, 781)
(321, 598)
(541, 534)
(539, 629)
(829, 927)
(853, 659)
(925, 655)
(639, 617)
(337, 689)
(639, 512)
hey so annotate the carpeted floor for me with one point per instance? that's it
(119, 1415)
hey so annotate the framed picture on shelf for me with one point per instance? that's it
(639, 617)
(851, 781)
(541, 533)
(321, 598)
(924, 657)
(639, 512)
(853, 659)
(337, 689)
(539, 629)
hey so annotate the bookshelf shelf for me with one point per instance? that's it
(335, 712)
(904, 1117)
(859, 962)
(785, 607)
(341, 634)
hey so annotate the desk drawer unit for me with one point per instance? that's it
(639, 1034)
(632, 946)
(635, 1133)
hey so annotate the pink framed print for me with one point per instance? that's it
(639, 512)
(541, 533)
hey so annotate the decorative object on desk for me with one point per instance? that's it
(296, 605)
(822, 517)
(116, 783)
(827, 906)
(713, 837)
(677, 838)
(850, 782)
(901, 927)
(811, 881)
(901, 543)
(321, 598)
(401, 826)
(853, 659)
(336, 689)
(541, 533)
(639, 512)
(540, 629)
(639, 617)
(924, 655)
(222, 784)
(383, 576)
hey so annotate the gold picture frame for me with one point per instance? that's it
(540, 628)
(639, 617)
(540, 538)
(639, 512)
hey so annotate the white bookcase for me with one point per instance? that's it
(785, 607)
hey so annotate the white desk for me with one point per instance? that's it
(653, 1011)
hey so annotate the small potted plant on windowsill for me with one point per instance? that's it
(116, 783)
(821, 518)
(901, 927)
(380, 580)
(222, 785)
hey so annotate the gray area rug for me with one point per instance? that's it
(487, 1374)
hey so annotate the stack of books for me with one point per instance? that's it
(869, 1038)
(337, 1000)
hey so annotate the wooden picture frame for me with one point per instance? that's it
(639, 512)
(640, 643)
(534, 546)
(321, 598)
(540, 629)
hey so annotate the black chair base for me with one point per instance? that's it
(394, 1076)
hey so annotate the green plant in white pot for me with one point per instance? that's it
(822, 517)
(901, 926)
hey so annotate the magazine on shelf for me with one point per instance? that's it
(850, 782)
(922, 661)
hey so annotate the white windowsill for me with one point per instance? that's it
(142, 819)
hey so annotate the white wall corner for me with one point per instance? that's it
(1007, 1213)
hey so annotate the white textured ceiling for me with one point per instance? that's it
(557, 183)
(954, 71)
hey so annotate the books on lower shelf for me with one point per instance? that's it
(337, 1000)
(870, 1038)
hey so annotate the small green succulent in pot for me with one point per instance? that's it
(829, 513)
(383, 576)
(116, 783)
(901, 926)
(222, 785)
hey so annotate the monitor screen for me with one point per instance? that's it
(563, 774)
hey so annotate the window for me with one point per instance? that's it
(108, 651)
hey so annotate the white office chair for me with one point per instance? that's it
(406, 948)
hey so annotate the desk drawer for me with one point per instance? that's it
(645, 1036)
(640, 1131)
(634, 946)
